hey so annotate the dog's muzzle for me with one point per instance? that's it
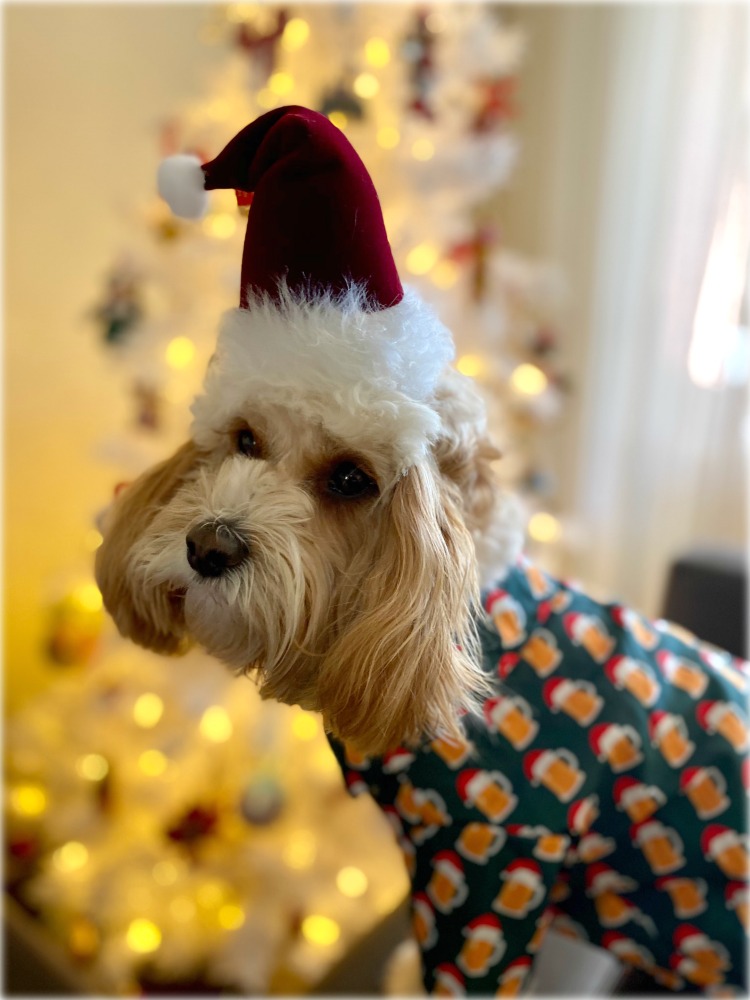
(215, 548)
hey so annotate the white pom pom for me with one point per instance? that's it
(180, 183)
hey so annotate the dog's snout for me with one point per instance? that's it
(212, 549)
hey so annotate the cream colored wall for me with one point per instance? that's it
(85, 87)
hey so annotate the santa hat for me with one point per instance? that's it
(397, 760)
(471, 783)
(448, 976)
(704, 715)
(623, 785)
(556, 691)
(581, 813)
(688, 775)
(687, 937)
(484, 928)
(449, 863)
(507, 663)
(717, 838)
(323, 314)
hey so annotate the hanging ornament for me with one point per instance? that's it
(262, 800)
(121, 309)
(148, 414)
(417, 49)
(538, 481)
(543, 341)
(475, 254)
(341, 100)
(194, 825)
(75, 625)
(497, 103)
(260, 41)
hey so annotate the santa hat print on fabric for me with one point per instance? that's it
(323, 316)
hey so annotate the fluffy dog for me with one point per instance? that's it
(333, 526)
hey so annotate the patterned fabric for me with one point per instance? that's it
(602, 794)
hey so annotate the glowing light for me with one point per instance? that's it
(180, 352)
(295, 34)
(422, 149)
(83, 939)
(300, 849)
(70, 857)
(366, 86)
(211, 894)
(89, 597)
(529, 380)
(92, 767)
(377, 52)
(182, 908)
(92, 539)
(221, 226)
(305, 726)
(147, 710)
(231, 917)
(446, 274)
(143, 936)
(339, 119)
(152, 763)
(28, 800)
(352, 882)
(266, 99)
(320, 930)
(470, 364)
(216, 725)
(164, 872)
(422, 258)
(281, 84)
(544, 527)
(388, 137)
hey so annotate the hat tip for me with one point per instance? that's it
(180, 182)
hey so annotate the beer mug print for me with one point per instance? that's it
(725, 719)
(634, 676)
(684, 674)
(688, 895)
(484, 947)
(551, 847)
(511, 716)
(737, 898)
(447, 889)
(587, 631)
(694, 943)
(480, 841)
(639, 628)
(594, 847)
(523, 889)
(508, 616)
(638, 800)
(488, 791)
(423, 921)
(583, 814)
(619, 746)
(706, 788)
(512, 981)
(578, 699)
(541, 652)
(449, 982)
(557, 770)
(453, 752)
(728, 849)
(661, 846)
(409, 801)
(539, 584)
(670, 735)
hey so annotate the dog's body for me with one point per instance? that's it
(601, 794)
(328, 528)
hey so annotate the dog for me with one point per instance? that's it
(334, 528)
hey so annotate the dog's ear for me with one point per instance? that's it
(148, 616)
(404, 662)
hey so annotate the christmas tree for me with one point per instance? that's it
(163, 822)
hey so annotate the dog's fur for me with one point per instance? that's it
(361, 609)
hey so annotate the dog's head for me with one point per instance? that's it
(305, 539)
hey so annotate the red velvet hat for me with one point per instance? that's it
(315, 217)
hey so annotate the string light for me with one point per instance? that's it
(544, 527)
(470, 364)
(89, 597)
(281, 83)
(377, 52)
(28, 800)
(231, 917)
(320, 930)
(216, 725)
(352, 882)
(305, 726)
(221, 225)
(164, 872)
(295, 34)
(422, 149)
(422, 258)
(445, 274)
(366, 86)
(83, 940)
(70, 857)
(182, 908)
(180, 352)
(339, 119)
(152, 763)
(300, 849)
(529, 380)
(148, 709)
(266, 99)
(388, 137)
(92, 767)
(211, 894)
(143, 936)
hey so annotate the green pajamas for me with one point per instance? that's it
(602, 793)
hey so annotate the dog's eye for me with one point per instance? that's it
(246, 443)
(349, 481)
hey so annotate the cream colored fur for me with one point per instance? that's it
(361, 609)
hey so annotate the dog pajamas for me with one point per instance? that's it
(602, 793)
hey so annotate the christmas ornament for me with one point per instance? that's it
(260, 42)
(262, 801)
(475, 253)
(121, 309)
(148, 405)
(496, 103)
(417, 49)
(342, 100)
(75, 625)
(194, 826)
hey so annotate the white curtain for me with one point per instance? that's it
(661, 458)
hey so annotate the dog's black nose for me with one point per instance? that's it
(212, 549)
